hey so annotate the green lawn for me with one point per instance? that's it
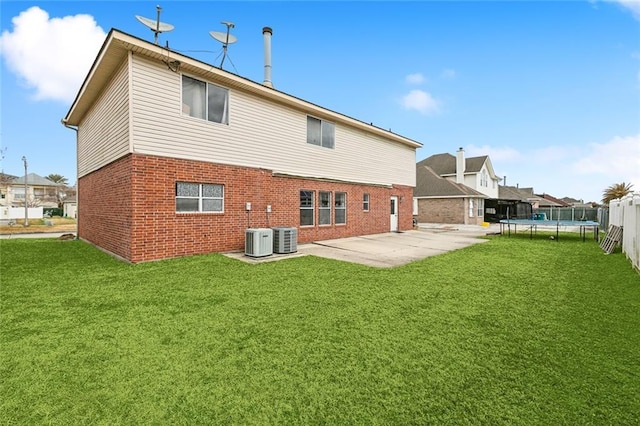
(512, 331)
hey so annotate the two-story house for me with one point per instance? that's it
(453, 189)
(178, 157)
(38, 191)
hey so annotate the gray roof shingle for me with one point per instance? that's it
(430, 184)
(445, 164)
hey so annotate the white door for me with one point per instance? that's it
(394, 214)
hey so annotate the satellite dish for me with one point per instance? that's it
(222, 37)
(156, 26)
(225, 38)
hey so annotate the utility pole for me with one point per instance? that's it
(26, 208)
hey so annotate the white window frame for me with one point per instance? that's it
(340, 207)
(324, 136)
(324, 210)
(471, 207)
(366, 201)
(201, 197)
(188, 109)
(480, 207)
(308, 207)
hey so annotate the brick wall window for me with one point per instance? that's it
(324, 208)
(341, 208)
(480, 207)
(365, 202)
(199, 197)
(320, 132)
(306, 208)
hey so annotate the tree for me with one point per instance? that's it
(59, 179)
(60, 193)
(615, 191)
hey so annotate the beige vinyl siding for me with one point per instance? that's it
(260, 133)
(103, 134)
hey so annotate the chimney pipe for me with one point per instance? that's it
(267, 33)
(460, 166)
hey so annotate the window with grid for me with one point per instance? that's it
(324, 208)
(365, 202)
(306, 208)
(205, 100)
(320, 132)
(341, 208)
(199, 197)
(480, 207)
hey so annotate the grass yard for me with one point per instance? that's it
(512, 331)
(49, 224)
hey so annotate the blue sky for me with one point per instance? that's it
(549, 90)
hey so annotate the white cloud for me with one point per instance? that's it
(581, 172)
(448, 73)
(618, 158)
(420, 101)
(51, 55)
(632, 5)
(416, 78)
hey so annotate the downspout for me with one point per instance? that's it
(64, 123)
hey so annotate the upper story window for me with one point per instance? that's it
(320, 132)
(483, 178)
(205, 100)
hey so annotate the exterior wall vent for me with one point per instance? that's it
(258, 242)
(285, 240)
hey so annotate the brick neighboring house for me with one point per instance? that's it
(171, 150)
(439, 200)
(452, 189)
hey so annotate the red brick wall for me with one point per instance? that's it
(153, 230)
(441, 210)
(105, 208)
(447, 210)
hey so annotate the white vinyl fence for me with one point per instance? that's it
(8, 213)
(625, 212)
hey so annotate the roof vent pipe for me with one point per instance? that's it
(460, 166)
(266, 33)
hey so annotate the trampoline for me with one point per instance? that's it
(533, 225)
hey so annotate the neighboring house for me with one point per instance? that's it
(453, 189)
(40, 192)
(178, 157)
(546, 201)
(5, 182)
(475, 172)
(572, 202)
(440, 200)
(70, 208)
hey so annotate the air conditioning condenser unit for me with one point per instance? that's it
(285, 240)
(258, 242)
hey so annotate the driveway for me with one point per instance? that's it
(388, 249)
